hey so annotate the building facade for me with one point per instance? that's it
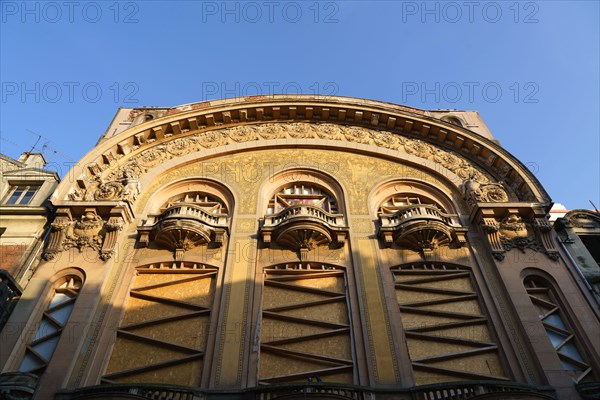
(24, 215)
(294, 247)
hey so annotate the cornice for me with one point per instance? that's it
(404, 121)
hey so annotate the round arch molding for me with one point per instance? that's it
(110, 170)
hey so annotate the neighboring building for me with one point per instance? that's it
(293, 247)
(24, 211)
(579, 233)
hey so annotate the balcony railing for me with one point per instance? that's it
(421, 227)
(419, 211)
(303, 211)
(189, 211)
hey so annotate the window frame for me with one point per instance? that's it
(27, 187)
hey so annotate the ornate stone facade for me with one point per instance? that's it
(300, 247)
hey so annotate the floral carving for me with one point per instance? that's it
(108, 191)
(418, 148)
(385, 140)
(300, 131)
(181, 146)
(212, 139)
(356, 134)
(242, 134)
(270, 131)
(152, 157)
(328, 131)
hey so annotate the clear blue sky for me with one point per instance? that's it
(530, 68)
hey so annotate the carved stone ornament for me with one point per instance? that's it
(86, 232)
(89, 231)
(513, 233)
(124, 188)
(476, 192)
(481, 188)
(584, 219)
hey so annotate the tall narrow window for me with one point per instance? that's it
(557, 327)
(54, 319)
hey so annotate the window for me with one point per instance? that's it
(21, 194)
(208, 202)
(41, 347)
(302, 193)
(557, 327)
(402, 200)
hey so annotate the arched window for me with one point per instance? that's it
(302, 193)
(402, 200)
(204, 200)
(418, 222)
(185, 220)
(559, 331)
(40, 349)
(453, 120)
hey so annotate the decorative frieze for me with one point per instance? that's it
(111, 182)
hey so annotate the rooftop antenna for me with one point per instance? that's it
(45, 146)
(593, 205)
(36, 142)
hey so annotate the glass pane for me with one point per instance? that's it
(46, 328)
(555, 338)
(569, 367)
(59, 298)
(28, 195)
(29, 363)
(570, 350)
(62, 314)
(556, 320)
(46, 348)
(15, 196)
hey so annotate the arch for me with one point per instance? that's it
(546, 297)
(416, 215)
(65, 288)
(189, 185)
(351, 117)
(310, 176)
(303, 211)
(416, 187)
(58, 277)
(185, 214)
(453, 119)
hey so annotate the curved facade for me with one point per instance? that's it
(302, 247)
